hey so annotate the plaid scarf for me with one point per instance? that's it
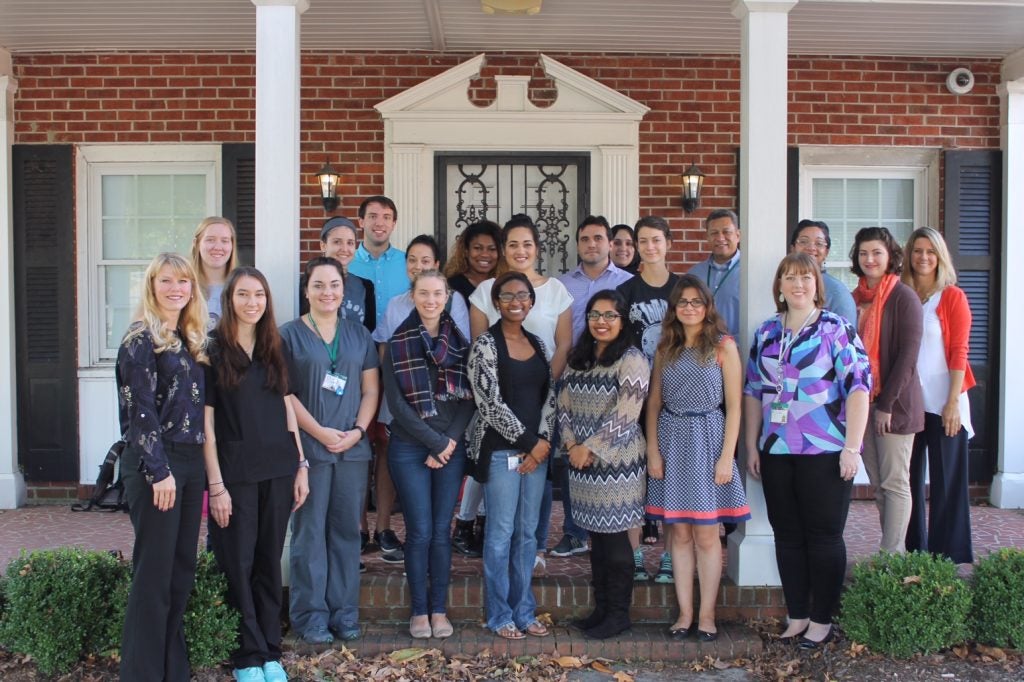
(412, 348)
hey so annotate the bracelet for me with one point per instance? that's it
(222, 492)
(210, 485)
(303, 463)
(852, 451)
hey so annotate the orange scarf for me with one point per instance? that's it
(869, 322)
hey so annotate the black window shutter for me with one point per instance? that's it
(44, 285)
(973, 225)
(238, 184)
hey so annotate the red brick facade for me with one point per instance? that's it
(694, 117)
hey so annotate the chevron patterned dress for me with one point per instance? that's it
(599, 408)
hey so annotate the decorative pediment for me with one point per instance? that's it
(578, 95)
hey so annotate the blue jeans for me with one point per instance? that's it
(569, 526)
(428, 500)
(513, 508)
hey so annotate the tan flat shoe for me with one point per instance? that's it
(420, 631)
(441, 626)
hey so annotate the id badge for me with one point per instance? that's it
(514, 462)
(335, 383)
(780, 413)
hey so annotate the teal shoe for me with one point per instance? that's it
(252, 674)
(665, 576)
(274, 672)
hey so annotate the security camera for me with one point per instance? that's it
(960, 81)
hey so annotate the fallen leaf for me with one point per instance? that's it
(601, 667)
(721, 665)
(405, 655)
(622, 677)
(993, 651)
(912, 580)
(569, 662)
(546, 619)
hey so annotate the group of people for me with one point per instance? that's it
(474, 379)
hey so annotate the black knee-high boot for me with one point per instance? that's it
(618, 561)
(599, 584)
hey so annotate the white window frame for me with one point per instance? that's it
(920, 164)
(92, 163)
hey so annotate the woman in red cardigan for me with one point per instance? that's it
(945, 378)
(889, 322)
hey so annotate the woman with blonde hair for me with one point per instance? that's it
(161, 393)
(945, 378)
(214, 256)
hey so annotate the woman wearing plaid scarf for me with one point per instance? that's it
(428, 391)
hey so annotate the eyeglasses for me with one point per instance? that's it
(609, 316)
(696, 303)
(817, 243)
(508, 296)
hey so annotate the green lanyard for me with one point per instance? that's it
(728, 272)
(332, 350)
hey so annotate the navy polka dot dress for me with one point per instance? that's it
(691, 428)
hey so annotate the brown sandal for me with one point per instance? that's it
(510, 632)
(537, 629)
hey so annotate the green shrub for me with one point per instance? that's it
(211, 625)
(998, 587)
(63, 604)
(901, 604)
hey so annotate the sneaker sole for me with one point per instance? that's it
(572, 552)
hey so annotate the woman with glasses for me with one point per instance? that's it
(945, 378)
(805, 410)
(514, 393)
(812, 237)
(599, 407)
(693, 423)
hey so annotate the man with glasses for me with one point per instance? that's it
(721, 269)
(595, 273)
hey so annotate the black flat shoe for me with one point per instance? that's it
(705, 636)
(810, 644)
(683, 633)
(793, 639)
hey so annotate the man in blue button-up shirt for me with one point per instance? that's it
(595, 273)
(721, 271)
(376, 259)
(384, 265)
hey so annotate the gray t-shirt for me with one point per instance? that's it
(213, 300)
(308, 365)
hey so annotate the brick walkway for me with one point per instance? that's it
(564, 592)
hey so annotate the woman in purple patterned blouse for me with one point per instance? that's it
(805, 410)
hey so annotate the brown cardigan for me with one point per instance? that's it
(902, 327)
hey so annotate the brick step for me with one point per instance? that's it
(384, 598)
(645, 641)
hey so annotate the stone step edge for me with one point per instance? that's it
(641, 642)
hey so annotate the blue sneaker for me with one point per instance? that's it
(274, 672)
(317, 635)
(252, 674)
(347, 633)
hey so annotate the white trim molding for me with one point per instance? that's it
(438, 116)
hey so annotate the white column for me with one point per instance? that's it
(12, 483)
(278, 179)
(1008, 484)
(408, 182)
(619, 183)
(764, 79)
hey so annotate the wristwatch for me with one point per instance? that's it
(303, 463)
(362, 431)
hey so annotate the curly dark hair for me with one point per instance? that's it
(583, 355)
(877, 234)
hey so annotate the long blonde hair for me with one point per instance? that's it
(197, 260)
(945, 274)
(192, 321)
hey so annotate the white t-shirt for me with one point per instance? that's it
(933, 369)
(552, 300)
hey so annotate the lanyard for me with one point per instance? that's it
(786, 349)
(332, 350)
(714, 290)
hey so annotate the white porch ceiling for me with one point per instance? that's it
(968, 28)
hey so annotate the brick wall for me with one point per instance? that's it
(694, 117)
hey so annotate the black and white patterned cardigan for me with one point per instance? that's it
(484, 356)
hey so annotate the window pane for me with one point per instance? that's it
(861, 198)
(146, 214)
(897, 200)
(123, 290)
(154, 192)
(118, 195)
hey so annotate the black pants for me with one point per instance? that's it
(249, 553)
(164, 561)
(611, 563)
(807, 502)
(948, 531)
